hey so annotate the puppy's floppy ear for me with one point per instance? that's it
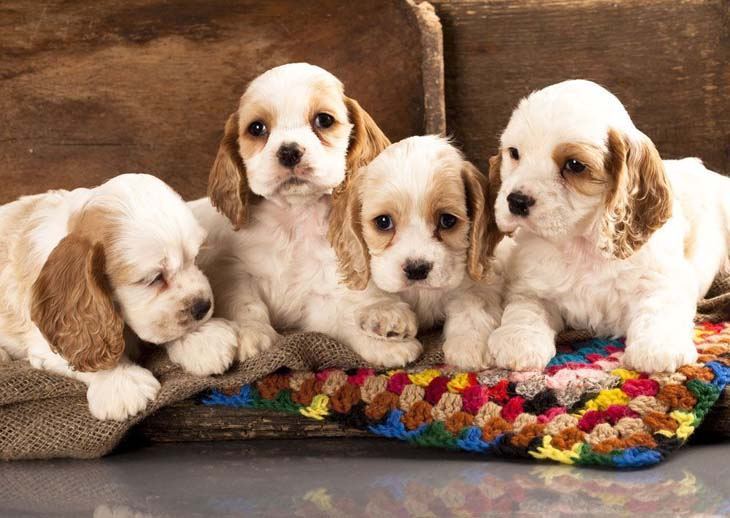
(228, 188)
(346, 237)
(640, 200)
(495, 175)
(483, 233)
(73, 308)
(366, 139)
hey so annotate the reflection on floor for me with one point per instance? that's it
(354, 478)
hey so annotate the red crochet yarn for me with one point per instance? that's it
(640, 387)
(436, 389)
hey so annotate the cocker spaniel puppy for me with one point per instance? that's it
(608, 236)
(285, 152)
(87, 273)
(417, 221)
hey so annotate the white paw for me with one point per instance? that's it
(467, 351)
(4, 356)
(253, 338)
(388, 320)
(122, 392)
(387, 353)
(657, 354)
(210, 349)
(521, 348)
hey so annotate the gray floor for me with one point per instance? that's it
(355, 478)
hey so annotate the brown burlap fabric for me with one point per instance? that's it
(43, 415)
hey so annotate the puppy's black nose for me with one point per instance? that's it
(289, 154)
(417, 270)
(200, 308)
(519, 203)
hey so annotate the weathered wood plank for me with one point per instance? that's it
(191, 421)
(92, 89)
(668, 61)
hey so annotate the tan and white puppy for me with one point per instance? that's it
(418, 223)
(84, 271)
(608, 236)
(285, 152)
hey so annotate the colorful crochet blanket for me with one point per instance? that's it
(584, 408)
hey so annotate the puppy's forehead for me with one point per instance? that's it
(291, 89)
(571, 111)
(414, 164)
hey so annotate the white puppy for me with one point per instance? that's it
(418, 221)
(284, 153)
(77, 266)
(608, 236)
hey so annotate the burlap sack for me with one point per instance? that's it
(43, 415)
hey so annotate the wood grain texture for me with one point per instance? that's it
(668, 61)
(92, 89)
(191, 421)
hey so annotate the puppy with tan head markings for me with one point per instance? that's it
(88, 273)
(418, 221)
(608, 236)
(286, 151)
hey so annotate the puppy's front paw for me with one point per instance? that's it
(4, 356)
(253, 338)
(388, 321)
(521, 348)
(210, 349)
(468, 352)
(387, 353)
(121, 392)
(659, 352)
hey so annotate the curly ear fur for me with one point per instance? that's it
(640, 200)
(227, 183)
(345, 235)
(366, 140)
(73, 308)
(483, 233)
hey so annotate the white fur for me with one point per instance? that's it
(557, 276)
(470, 310)
(279, 271)
(157, 232)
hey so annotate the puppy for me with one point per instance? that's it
(284, 154)
(608, 236)
(88, 272)
(418, 221)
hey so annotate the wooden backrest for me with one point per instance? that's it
(92, 89)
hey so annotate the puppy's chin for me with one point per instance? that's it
(167, 331)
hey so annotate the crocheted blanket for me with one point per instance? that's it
(584, 408)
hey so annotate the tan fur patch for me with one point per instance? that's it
(640, 200)
(228, 188)
(594, 178)
(250, 112)
(72, 306)
(325, 98)
(447, 196)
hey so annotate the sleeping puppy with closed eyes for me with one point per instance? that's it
(417, 222)
(292, 141)
(87, 274)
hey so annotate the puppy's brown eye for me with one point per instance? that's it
(257, 128)
(384, 222)
(574, 166)
(447, 221)
(159, 278)
(514, 153)
(324, 120)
